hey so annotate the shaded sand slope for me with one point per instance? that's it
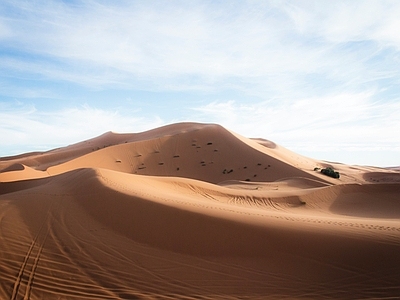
(101, 234)
(97, 226)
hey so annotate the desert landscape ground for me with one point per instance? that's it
(195, 211)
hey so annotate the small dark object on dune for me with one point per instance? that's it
(330, 172)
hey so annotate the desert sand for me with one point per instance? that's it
(195, 211)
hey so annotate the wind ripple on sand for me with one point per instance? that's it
(190, 225)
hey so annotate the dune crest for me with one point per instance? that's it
(194, 211)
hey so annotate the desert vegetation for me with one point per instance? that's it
(328, 172)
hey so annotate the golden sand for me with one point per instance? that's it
(194, 211)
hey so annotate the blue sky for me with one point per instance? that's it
(318, 77)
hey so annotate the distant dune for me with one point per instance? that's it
(195, 211)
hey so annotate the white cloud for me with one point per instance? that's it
(246, 46)
(344, 21)
(302, 73)
(318, 126)
(349, 128)
(27, 128)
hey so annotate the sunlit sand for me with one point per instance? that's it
(194, 211)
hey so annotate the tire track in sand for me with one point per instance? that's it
(32, 258)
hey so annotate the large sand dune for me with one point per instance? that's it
(194, 211)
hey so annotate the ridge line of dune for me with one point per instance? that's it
(330, 220)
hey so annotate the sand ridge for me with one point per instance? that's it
(194, 211)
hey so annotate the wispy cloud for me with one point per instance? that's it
(350, 128)
(319, 126)
(26, 127)
(264, 47)
(295, 72)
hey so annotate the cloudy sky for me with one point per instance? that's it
(318, 77)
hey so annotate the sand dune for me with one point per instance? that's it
(194, 211)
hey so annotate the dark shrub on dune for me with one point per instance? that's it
(330, 172)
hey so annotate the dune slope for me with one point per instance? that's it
(193, 211)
